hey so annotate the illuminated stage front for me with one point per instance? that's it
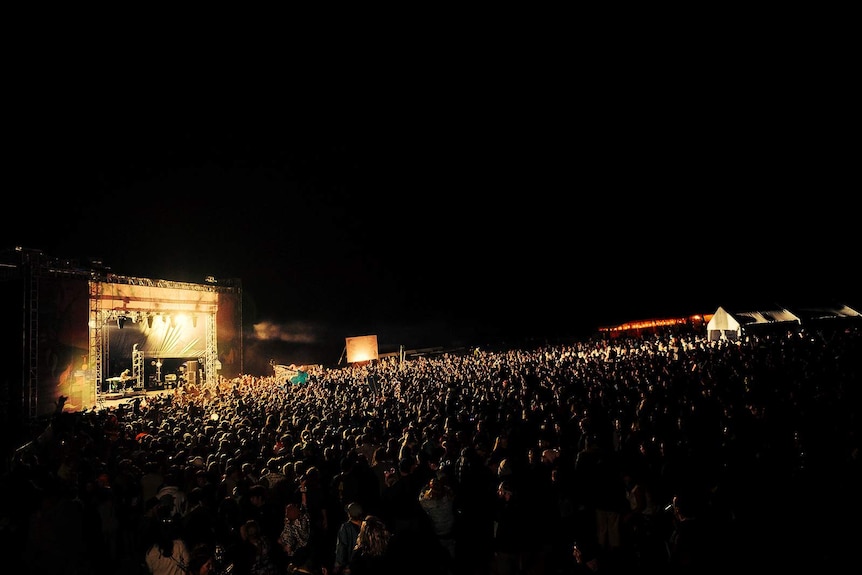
(138, 325)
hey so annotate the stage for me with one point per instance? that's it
(122, 394)
(113, 400)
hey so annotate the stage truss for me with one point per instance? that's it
(137, 299)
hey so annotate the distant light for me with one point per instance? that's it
(210, 279)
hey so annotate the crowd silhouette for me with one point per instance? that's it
(665, 453)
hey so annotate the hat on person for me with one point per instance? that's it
(354, 510)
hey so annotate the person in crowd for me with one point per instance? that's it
(640, 524)
(152, 479)
(259, 507)
(603, 493)
(437, 500)
(371, 554)
(256, 553)
(227, 526)
(199, 521)
(382, 465)
(168, 553)
(295, 536)
(401, 508)
(511, 529)
(345, 541)
(202, 561)
(689, 542)
(347, 484)
(172, 492)
(313, 491)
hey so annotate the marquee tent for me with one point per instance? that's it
(731, 326)
(722, 325)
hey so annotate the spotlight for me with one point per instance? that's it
(121, 321)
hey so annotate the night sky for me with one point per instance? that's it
(458, 217)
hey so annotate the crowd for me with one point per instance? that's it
(665, 453)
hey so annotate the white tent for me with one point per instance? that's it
(723, 325)
(731, 326)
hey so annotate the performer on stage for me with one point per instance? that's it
(125, 377)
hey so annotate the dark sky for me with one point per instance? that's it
(459, 216)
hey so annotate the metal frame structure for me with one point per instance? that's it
(33, 265)
(100, 316)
